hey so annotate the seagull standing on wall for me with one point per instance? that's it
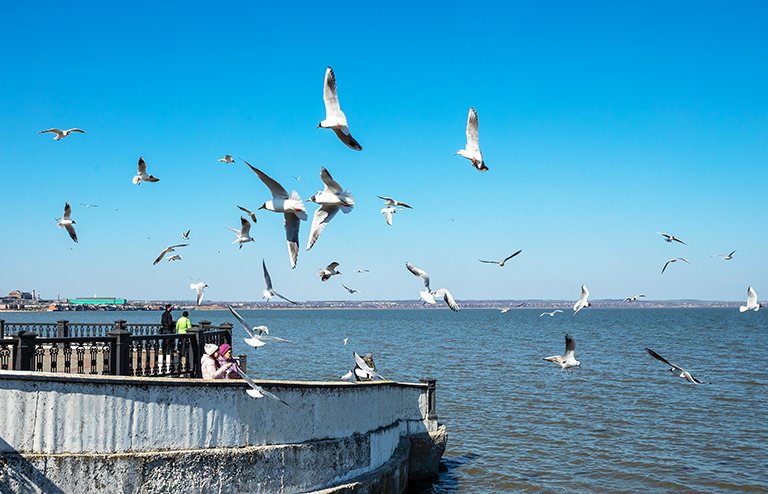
(334, 117)
(66, 223)
(472, 149)
(61, 134)
(331, 199)
(582, 301)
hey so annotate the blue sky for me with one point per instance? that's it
(600, 123)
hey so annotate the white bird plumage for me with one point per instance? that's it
(726, 257)
(568, 360)
(582, 301)
(472, 149)
(389, 202)
(141, 175)
(257, 391)
(632, 299)
(388, 212)
(166, 251)
(674, 260)
(751, 301)
(227, 159)
(670, 238)
(334, 117)
(199, 288)
(428, 295)
(501, 263)
(243, 234)
(61, 134)
(550, 313)
(331, 199)
(66, 222)
(258, 335)
(328, 271)
(270, 292)
(365, 368)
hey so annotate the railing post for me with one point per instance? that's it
(227, 326)
(25, 350)
(431, 401)
(242, 362)
(196, 343)
(120, 348)
(204, 325)
(63, 328)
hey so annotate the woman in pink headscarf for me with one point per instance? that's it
(225, 357)
(209, 364)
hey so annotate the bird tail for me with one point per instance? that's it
(743, 308)
(350, 200)
(136, 179)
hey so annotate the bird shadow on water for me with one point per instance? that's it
(447, 480)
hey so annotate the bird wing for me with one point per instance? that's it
(344, 136)
(448, 298)
(584, 294)
(286, 299)
(678, 240)
(277, 190)
(731, 254)
(332, 266)
(665, 266)
(259, 391)
(267, 279)
(388, 201)
(245, 227)
(473, 140)
(489, 262)
(558, 359)
(513, 255)
(331, 99)
(570, 346)
(659, 357)
(274, 338)
(241, 321)
(323, 215)
(420, 273)
(292, 224)
(364, 367)
(331, 186)
(67, 211)
(169, 249)
(53, 131)
(249, 213)
(142, 166)
(71, 230)
(751, 297)
(684, 259)
(76, 130)
(388, 215)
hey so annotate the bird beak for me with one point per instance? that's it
(318, 126)
(262, 207)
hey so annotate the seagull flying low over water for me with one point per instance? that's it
(751, 301)
(227, 159)
(260, 334)
(674, 260)
(676, 369)
(66, 222)
(501, 263)
(472, 149)
(670, 238)
(632, 299)
(331, 199)
(269, 292)
(334, 117)
(141, 175)
(566, 361)
(550, 313)
(582, 301)
(328, 271)
(257, 391)
(389, 202)
(61, 134)
(724, 256)
(243, 234)
(428, 295)
(249, 213)
(388, 212)
(167, 250)
(367, 372)
(350, 290)
(292, 208)
(198, 287)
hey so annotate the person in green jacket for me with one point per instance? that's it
(183, 324)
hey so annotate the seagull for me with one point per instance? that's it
(674, 260)
(331, 199)
(249, 213)
(472, 151)
(676, 369)
(348, 376)
(345, 341)
(227, 159)
(751, 301)
(550, 313)
(334, 117)
(96, 205)
(501, 263)
(582, 301)
(297, 178)
(725, 257)
(66, 222)
(174, 257)
(185, 236)
(361, 270)
(257, 391)
(292, 208)
(670, 238)
(142, 176)
(61, 134)
(367, 372)
(428, 295)
(504, 311)
(389, 202)
(199, 288)
(269, 292)
(261, 335)
(329, 271)
(568, 360)
(243, 234)
(167, 250)
(350, 290)
(388, 212)
(632, 299)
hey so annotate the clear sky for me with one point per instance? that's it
(601, 124)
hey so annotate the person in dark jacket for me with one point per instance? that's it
(166, 322)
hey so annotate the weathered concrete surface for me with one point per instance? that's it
(426, 450)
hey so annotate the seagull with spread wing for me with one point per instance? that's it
(257, 391)
(199, 288)
(142, 175)
(670, 238)
(260, 334)
(350, 290)
(334, 117)
(291, 206)
(331, 199)
(389, 202)
(676, 369)
(582, 302)
(66, 222)
(166, 251)
(674, 260)
(244, 233)
(270, 292)
(550, 313)
(227, 159)
(501, 263)
(726, 257)
(328, 271)
(566, 361)
(428, 295)
(751, 301)
(61, 134)
(472, 149)
(632, 299)
(388, 212)
(249, 213)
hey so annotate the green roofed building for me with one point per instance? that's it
(97, 301)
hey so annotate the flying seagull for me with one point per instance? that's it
(61, 134)
(269, 292)
(66, 222)
(550, 313)
(670, 238)
(428, 295)
(257, 391)
(199, 287)
(331, 199)
(674, 260)
(361, 270)
(142, 176)
(568, 360)
(96, 205)
(388, 212)
(249, 213)
(582, 301)
(328, 271)
(725, 257)
(260, 334)
(504, 311)
(292, 208)
(472, 149)
(751, 301)
(185, 236)
(632, 299)
(227, 159)
(350, 290)
(243, 234)
(389, 202)
(501, 263)
(167, 250)
(367, 372)
(676, 369)
(334, 117)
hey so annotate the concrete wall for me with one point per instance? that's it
(62, 430)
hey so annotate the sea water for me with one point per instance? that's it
(516, 423)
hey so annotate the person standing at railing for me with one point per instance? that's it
(183, 324)
(209, 364)
(166, 322)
